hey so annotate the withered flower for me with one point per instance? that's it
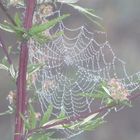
(37, 115)
(117, 90)
(46, 9)
(11, 97)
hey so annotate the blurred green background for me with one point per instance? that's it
(121, 19)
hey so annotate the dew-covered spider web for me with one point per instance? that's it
(75, 62)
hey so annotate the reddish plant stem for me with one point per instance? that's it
(78, 118)
(21, 80)
(2, 45)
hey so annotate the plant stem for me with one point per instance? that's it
(78, 118)
(2, 45)
(21, 80)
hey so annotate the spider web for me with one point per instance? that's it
(75, 62)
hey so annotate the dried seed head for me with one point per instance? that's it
(37, 115)
(46, 9)
(48, 84)
(42, 12)
(117, 90)
(11, 97)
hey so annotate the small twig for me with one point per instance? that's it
(5, 113)
(73, 119)
(2, 45)
(6, 13)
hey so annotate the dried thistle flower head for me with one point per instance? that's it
(48, 84)
(43, 11)
(46, 9)
(117, 90)
(37, 115)
(11, 97)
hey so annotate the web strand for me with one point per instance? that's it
(75, 62)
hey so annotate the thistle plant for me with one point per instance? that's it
(60, 76)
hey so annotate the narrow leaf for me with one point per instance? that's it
(17, 20)
(3, 67)
(47, 115)
(26, 122)
(61, 115)
(40, 28)
(91, 125)
(106, 90)
(89, 118)
(33, 68)
(12, 71)
(32, 118)
(5, 62)
(84, 10)
(67, 1)
(94, 21)
(6, 28)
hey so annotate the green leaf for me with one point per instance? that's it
(7, 28)
(106, 90)
(82, 123)
(19, 31)
(110, 102)
(89, 118)
(26, 122)
(5, 62)
(67, 1)
(89, 13)
(90, 10)
(17, 20)
(4, 67)
(94, 21)
(40, 28)
(62, 115)
(85, 11)
(32, 68)
(44, 39)
(93, 124)
(59, 126)
(126, 102)
(41, 38)
(47, 115)
(32, 118)
(12, 71)
(6, 112)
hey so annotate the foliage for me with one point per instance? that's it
(36, 32)
(35, 120)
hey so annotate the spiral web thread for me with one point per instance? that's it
(75, 62)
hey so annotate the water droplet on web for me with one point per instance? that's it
(78, 64)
